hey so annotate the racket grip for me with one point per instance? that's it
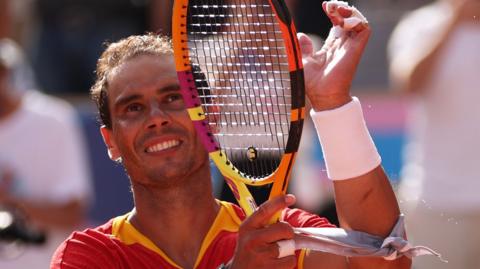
(276, 217)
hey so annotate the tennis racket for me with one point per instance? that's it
(241, 75)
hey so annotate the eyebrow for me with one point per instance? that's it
(169, 88)
(127, 99)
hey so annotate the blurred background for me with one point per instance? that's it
(62, 39)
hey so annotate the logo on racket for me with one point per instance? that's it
(252, 153)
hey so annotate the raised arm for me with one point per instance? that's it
(364, 197)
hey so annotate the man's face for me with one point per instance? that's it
(151, 130)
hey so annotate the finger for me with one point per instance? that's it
(341, 14)
(335, 20)
(330, 9)
(350, 23)
(360, 27)
(318, 59)
(324, 6)
(273, 233)
(306, 44)
(315, 63)
(345, 11)
(260, 218)
(355, 46)
(278, 250)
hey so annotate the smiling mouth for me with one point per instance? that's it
(162, 146)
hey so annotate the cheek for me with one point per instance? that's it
(184, 120)
(195, 137)
(125, 137)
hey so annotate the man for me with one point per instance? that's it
(176, 222)
(43, 167)
(440, 174)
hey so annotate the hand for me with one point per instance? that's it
(256, 245)
(329, 72)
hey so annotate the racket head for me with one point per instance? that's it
(241, 75)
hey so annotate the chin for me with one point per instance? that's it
(171, 172)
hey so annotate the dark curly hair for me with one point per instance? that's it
(115, 55)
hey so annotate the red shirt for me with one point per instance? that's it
(117, 244)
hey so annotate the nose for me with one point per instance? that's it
(158, 117)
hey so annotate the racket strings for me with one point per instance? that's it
(241, 72)
(247, 47)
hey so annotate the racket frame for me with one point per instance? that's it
(234, 178)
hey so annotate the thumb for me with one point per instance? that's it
(306, 45)
(265, 212)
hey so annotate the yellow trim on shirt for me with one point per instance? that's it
(123, 230)
(226, 220)
(232, 213)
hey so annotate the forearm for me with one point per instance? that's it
(364, 203)
(364, 197)
(367, 203)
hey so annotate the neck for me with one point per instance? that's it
(186, 211)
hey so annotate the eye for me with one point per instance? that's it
(134, 107)
(173, 97)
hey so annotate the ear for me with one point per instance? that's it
(112, 148)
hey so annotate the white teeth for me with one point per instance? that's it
(163, 146)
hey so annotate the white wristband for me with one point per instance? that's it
(348, 148)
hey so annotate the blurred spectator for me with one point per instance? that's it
(22, 75)
(43, 169)
(434, 55)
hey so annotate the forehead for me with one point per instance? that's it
(141, 73)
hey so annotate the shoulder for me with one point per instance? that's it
(85, 249)
(301, 218)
